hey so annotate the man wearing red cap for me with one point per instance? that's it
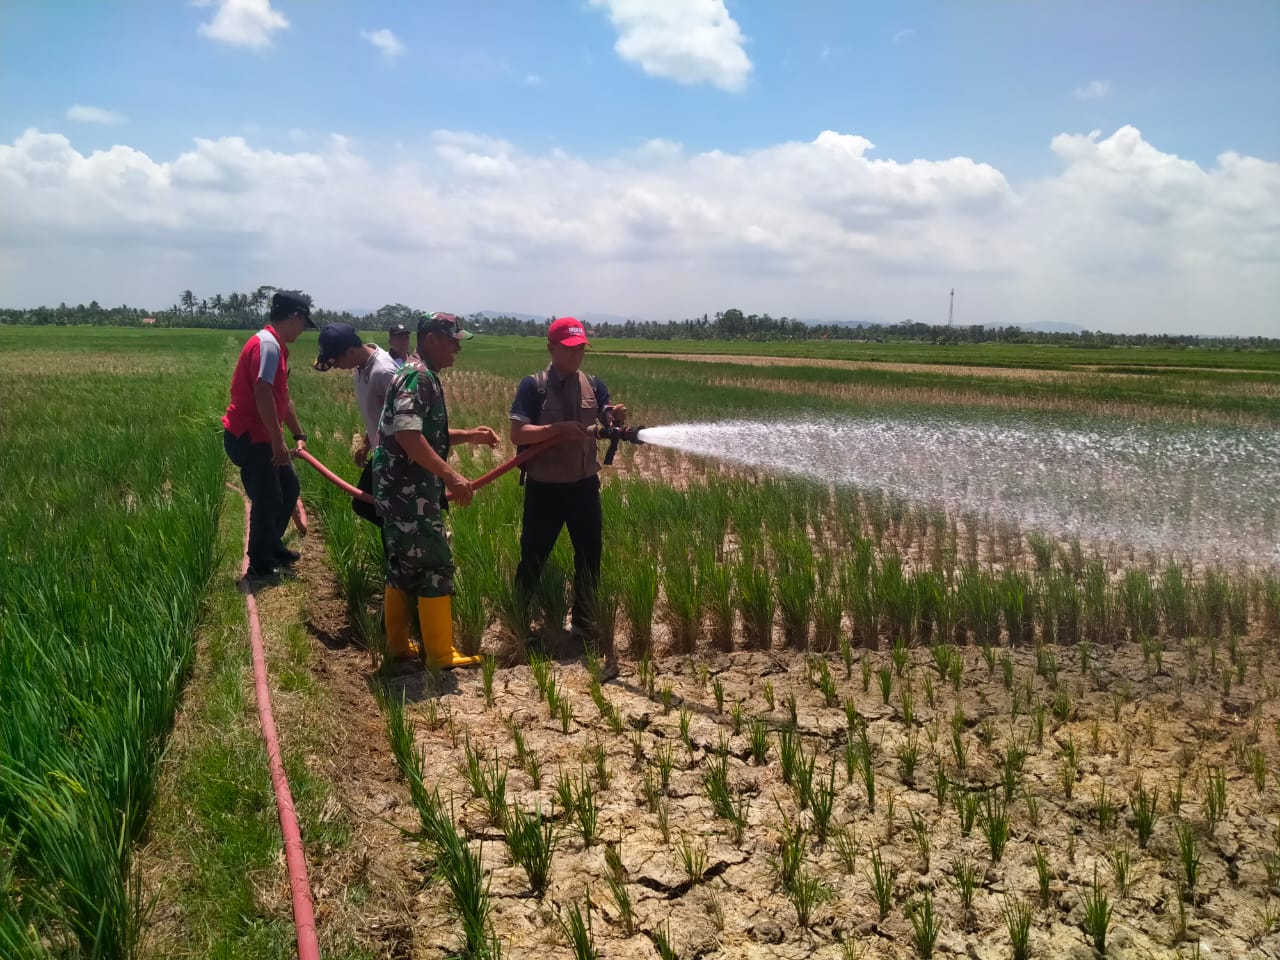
(562, 486)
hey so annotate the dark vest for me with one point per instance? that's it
(573, 398)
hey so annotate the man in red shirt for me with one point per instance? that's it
(252, 434)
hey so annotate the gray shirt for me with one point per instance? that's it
(372, 381)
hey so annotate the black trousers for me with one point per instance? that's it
(549, 507)
(272, 492)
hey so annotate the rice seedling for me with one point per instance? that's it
(822, 803)
(885, 674)
(1144, 804)
(717, 690)
(1042, 876)
(995, 825)
(685, 719)
(759, 735)
(531, 839)
(639, 596)
(881, 878)
(575, 925)
(908, 755)
(661, 937)
(925, 925)
(1121, 869)
(826, 684)
(941, 782)
(755, 601)
(565, 714)
(845, 843)
(1188, 854)
(737, 717)
(666, 762)
(923, 835)
(663, 817)
(1104, 808)
(790, 753)
(667, 697)
(693, 858)
(767, 690)
(806, 892)
(727, 804)
(791, 844)
(967, 808)
(1096, 922)
(866, 674)
(1017, 923)
(587, 812)
(616, 879)
(1215, 799)
(795, 588)
(964, 877)
(715, 585)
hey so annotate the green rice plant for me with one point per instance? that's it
(575, 925)
(715, 586)
(493, 790)
(474, 769)
(682, 611)
(667, 697)
(995, 825)
(1096, 923)
(666, 762)
(1006, 671)
(1215, 797)
(737, 717)
(1042, 876)
(663, 817)
(1011, 769)
(1139, 600)
(866, 674)
(846, 656)
(792, 711)
(796, 583)
(540, 668)
(881, 878)
(727, 804)
(941, 782)
(767, 690)
(755, 601)
(907, 704)
(886, 683)
(616, 878)
(900, 656)
(822, 804)
(531, 839)
(790, 753)
(717, 690)
(587, 812)
(791, 844)
(565, 714)
(661, 938)
(639, 596)
(564, 793)
(693, 857)
(1017, 923)
(908, 756)
(964, 877)
(759, 735)
(596, 755)
(806, 892)
(1121, 869)
(978, 604)
(1104, 807)
(845, 843)
(826, 683)
(487, 668)
(553, 597)
(685, 718)
(1016, 607)
(1188, 854)
(828, 613)
(925, 925)
(1145, 805)
(868, 769)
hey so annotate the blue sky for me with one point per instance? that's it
(637, 101)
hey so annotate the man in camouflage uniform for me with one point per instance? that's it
(410, 478)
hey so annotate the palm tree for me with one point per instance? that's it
(188, 300)
(217, 302)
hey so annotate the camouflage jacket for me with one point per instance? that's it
(415, 401)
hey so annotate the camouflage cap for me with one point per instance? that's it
(445, 324)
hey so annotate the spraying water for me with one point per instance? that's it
(1211, 494)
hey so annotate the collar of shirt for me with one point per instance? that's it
(366, 368)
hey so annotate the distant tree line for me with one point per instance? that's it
(246, 311)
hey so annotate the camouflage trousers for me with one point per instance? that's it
(419, 559)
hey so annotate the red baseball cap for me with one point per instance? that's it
(567, 332)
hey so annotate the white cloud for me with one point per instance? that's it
(900, 35)
(532, 80)
(388, 43)
(79, 113)
(1125, 236)
(691, 41)
(243, 23)
(1094, 90)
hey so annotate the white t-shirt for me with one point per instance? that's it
(372, 381)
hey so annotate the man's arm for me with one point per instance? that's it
(485, 435)
(416, 448)
(524, 432)
(266, 403)
(295, 428)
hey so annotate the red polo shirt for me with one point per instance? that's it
(263, 357)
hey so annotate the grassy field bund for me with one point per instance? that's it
(844, 725)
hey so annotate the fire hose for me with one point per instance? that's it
(613, 434)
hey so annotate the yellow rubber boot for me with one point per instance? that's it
(395, 611)
(435, 616)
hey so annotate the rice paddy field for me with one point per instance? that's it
(907, 651)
